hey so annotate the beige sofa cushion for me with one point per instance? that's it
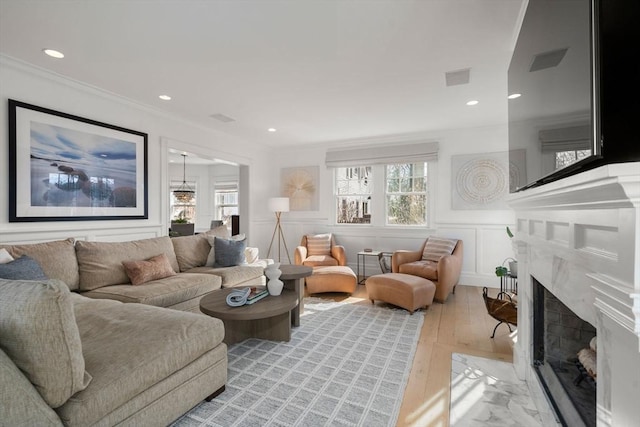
(57, 259)
(38, 331)
(232, 276)
(144, 346)
(192, 251)
(163, 292)
(100, 263)
(20, 403)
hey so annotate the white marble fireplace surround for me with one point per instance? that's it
(580, 238)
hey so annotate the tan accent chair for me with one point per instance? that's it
(444, 273)
(337, 256)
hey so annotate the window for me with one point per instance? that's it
(226, 197)
(182, 210)
(353, 191)
(566, 158)
(406, 194)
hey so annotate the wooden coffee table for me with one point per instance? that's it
(292, 277)
(269, 318)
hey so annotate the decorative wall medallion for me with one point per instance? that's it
(480, 181)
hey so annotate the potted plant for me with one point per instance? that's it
(502, 270)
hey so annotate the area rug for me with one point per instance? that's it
(488, 392)
(346, 365)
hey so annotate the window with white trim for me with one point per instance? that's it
(353, 190)
(226, 199)
(406, 193)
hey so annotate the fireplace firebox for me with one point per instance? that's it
(558, 336)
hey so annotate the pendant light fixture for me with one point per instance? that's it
(184, 193)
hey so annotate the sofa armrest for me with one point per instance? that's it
(337, 251)
(299, 255)
(402, 257)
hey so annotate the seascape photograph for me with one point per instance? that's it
(70, 168)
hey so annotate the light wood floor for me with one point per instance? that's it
(461, 325)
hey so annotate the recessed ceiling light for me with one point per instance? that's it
(53, 53)
(472, 102)
(271, 129)
(514, 95)
(165, 97)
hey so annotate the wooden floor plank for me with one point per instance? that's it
(460, 325)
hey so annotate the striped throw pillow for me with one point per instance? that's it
(319, 244)
(437, 247)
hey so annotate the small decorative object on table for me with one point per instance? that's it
(274, 285)
(245, 296)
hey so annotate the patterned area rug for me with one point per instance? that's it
(487, 392)
(346, 365)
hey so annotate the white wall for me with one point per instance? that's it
(483, 231)
(39, 87)
(486, 244)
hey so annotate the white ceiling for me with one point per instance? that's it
(318, 71)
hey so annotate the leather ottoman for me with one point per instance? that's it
(332, 279)
(404, 290)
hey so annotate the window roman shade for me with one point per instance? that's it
(566, 139)
(382, 154)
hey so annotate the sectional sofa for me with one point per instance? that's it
(74, 352)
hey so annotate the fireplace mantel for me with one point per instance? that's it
(580, 238)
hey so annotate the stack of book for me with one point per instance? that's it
(256, 295)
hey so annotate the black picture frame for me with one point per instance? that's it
(64, 167)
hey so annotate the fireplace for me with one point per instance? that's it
(558, 336)
(578, 249)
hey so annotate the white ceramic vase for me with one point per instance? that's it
(274, 284)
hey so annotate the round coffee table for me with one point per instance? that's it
(269, 318)
(292, 277)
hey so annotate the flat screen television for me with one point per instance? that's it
(575, 66)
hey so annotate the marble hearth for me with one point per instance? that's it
(580, 238)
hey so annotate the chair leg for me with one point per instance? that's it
(372, 302)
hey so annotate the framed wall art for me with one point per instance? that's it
(68, 168)
(300, 185)
(480, 181)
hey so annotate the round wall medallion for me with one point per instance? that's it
(482, 181)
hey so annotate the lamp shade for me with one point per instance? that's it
(278, 204)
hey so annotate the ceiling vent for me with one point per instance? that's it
(547, 60)
(222, 118)
(458, 77)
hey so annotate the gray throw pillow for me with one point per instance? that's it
(23, 268)
(229, 252)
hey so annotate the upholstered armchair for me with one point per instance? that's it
(438, 260)
(319, 250)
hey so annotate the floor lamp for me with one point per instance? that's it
(279, 205)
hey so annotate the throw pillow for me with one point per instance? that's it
(437, 247)
(211, 258)
(157, 267)
(38, 331)
(251, 255)
(319, 244)
(5, 256)
(23, 268)
(229, 252)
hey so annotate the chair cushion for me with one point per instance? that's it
(426, 269)
(320, 260)
(38, 331)
(437, 247)
(319, 244)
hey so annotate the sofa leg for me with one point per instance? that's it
(214, 394)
